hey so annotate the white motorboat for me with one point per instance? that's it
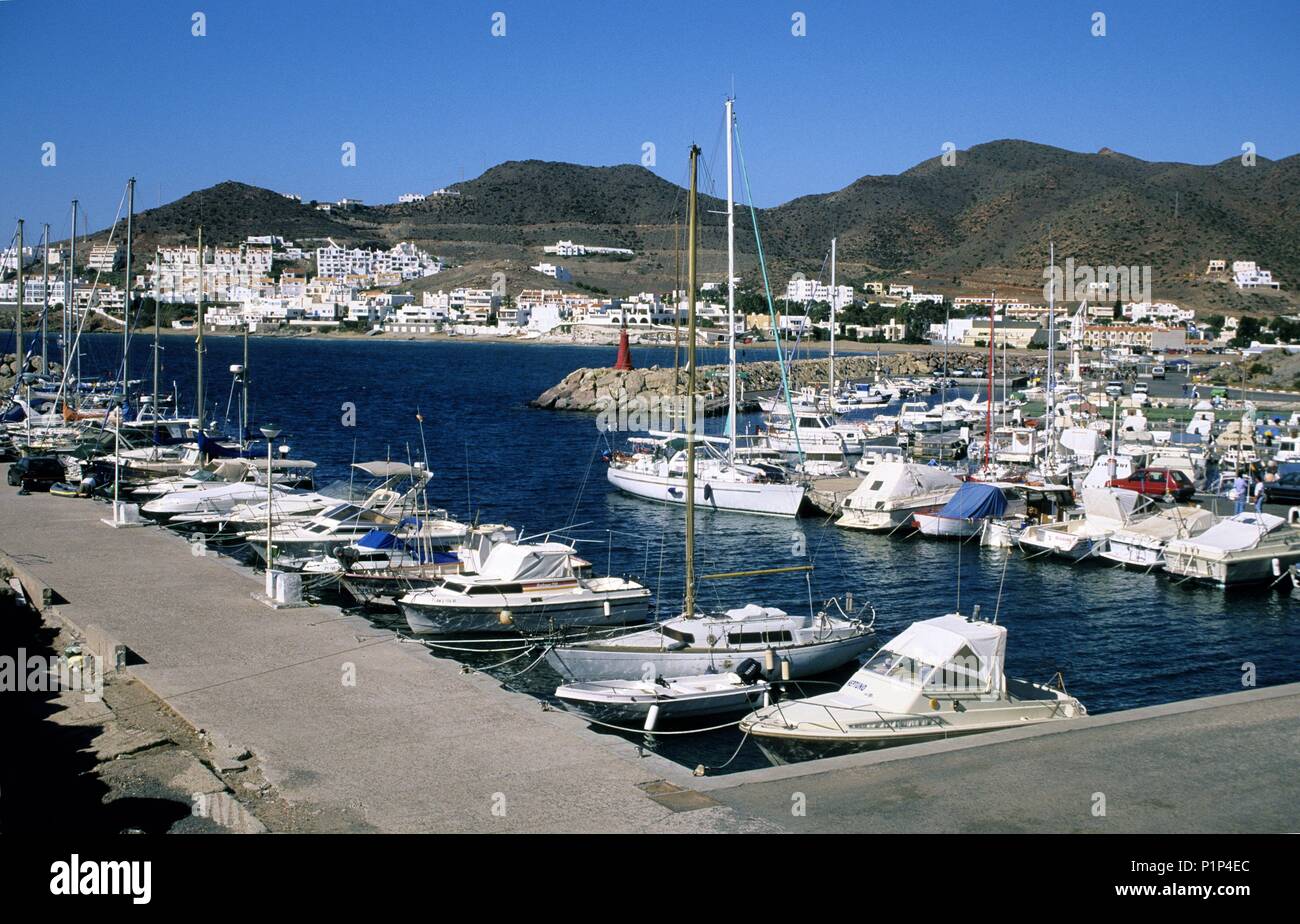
(811, 433)
(974, 504)
(657, 471)
(1105, 512)
(892, 492)
(1142, 545)
(376, 571)
(1243, 549)
(525, 587)
(712, 644)
(651, 701)
(939, 678)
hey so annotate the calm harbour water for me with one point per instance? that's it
(1122, 639)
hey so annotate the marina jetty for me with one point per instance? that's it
(418, 743)
(587, 389)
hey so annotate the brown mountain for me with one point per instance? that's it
(981, 223)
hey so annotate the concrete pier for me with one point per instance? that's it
(418, 744)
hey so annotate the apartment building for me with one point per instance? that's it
(810, 290)
(1134, 336)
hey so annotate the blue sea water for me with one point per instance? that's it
(1121, 639)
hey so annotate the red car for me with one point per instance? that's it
(1168, 483)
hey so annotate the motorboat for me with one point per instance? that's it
(1247, 548)
(892, 492)
(656, 470)
(974, 504)
(940, 678)
(1142, 545)
(717, 643)
(525, 587)
(1105, 511)
(650, 701)
(811, 432)
(1042, 504)
(384, 565)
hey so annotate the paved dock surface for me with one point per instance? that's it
(418, 745)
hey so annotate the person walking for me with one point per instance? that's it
(1239, 493)
(1259, 495)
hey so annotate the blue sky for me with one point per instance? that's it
(429, 96)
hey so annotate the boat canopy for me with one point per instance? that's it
(1243, 531)
(1117, 504)
(889, 479)
(383, 469)
(975, 500)
(947, 652)
(510, 561)
(754, 611)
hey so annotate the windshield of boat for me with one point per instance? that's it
(960, 673)
(344, 489)
(897, 667)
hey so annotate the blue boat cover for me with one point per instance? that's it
(975, 500)
(378, 539)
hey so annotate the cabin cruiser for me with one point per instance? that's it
(812, 432)
(234, 509)
(1142, 545)
(1105, 511)
(711, 644)
(940, 678)
(525, 587)
(288, 473)
(295, 542)
(974, 504)
(649, 701)
(376, 571)
(1038, 504)
(1247, 548)
(656, 470)
(892, 492)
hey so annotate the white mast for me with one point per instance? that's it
(834, 299)
(1051, 337)
(731, 288)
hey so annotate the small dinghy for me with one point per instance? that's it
(649, 702)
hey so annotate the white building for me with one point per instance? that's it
(9, 258)
(810, 290)
(1167, 312)
(570, 249)
(411, 197)
(555, 272)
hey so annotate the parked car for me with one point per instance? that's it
(36, 473)
(1286, 490)
(1165, 483)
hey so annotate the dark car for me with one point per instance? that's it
(1286, 490)
(1164, 483)
(36, 473)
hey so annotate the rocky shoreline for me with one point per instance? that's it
(592, 389)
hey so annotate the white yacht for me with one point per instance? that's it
(940, 678)
(650, 701)
(656, 470)
(1243, 549)
(1105, 511)
(892, 492)
(712, 644)
(1142, 545)
(525, 587)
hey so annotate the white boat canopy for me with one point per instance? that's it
(1116, 504)
(947, 652)
(889, 480)
(1243, 531)
(511, 561)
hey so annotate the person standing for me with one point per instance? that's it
(1239, 493)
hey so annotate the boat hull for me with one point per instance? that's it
(527, 619)
(768, 499)
(610, 663)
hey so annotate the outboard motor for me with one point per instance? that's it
(749, 671)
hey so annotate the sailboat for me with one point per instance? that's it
(696, 643)
(657, 469)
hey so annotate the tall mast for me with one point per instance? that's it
(198, 385)
(1051, 345)
(834, 299)
(988, 422)
(157, 296)
(690, 391)
(731, 285)
(18, 325)
(243, 416)
(126, 295)
(70, 299)
(45, 302)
